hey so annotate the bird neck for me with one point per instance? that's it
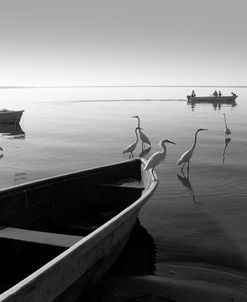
(139, 123)
(163, 147)
(195, 140)
(136, 136)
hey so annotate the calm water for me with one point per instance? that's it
(200, 219)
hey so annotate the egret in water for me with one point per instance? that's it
(143, 137)
(131, 148)
(185, 158)
(157, 157)
(227, 130)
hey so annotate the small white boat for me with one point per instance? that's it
(10, 116)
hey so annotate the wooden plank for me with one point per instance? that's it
(129, 185)
(39, 237)
(75, 227)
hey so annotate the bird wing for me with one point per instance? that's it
(154, 160)
(185, 157)
(130, 148)
(144, 138)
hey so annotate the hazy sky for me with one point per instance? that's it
(127, 42)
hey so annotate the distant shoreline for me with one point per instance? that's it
(126, 86)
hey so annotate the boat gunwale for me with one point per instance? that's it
(60, 176)
(91, 238)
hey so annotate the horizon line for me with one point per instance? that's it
(120, 86)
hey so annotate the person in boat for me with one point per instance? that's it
(193, 94)
(234, 94)
(215, 93)
(220, 94)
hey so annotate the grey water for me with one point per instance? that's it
(197, 218)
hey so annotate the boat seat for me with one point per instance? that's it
(39, 237)
(75, 227)
(134, 185)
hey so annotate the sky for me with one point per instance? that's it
(127, 42)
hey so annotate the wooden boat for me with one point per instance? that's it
(10, 116)
(60, 235)
(210, 99)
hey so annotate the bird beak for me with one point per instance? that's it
(134, 116)
(170, 142)
(204, 129)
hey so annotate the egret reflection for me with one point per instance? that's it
(145, 152)
(227, 141)
(185, 181)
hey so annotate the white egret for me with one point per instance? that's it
(157, 157)
(185, 158)
(131, 148)
(227, 130)
(143, 137)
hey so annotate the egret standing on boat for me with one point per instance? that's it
(185, 158)
(227, 130)
(143, 137)
(131, 148)
(157, 157)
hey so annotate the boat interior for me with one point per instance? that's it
(41, 219)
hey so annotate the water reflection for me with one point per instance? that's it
(145, 152)
(139, 254)
(185, 181)
(216, 105)
(12, 131)
(227, 141)
(20, 176)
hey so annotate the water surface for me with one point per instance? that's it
(198, 218)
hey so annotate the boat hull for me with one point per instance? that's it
(211, 99)
(72, 272)
(10, 116)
